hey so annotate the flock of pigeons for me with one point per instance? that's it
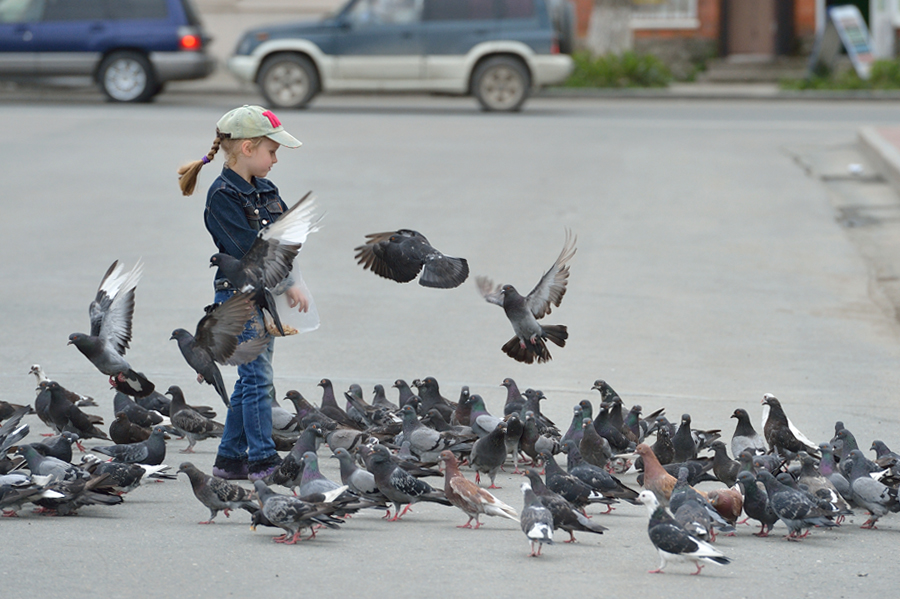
(387, 450)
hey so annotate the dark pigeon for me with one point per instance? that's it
(111, 314)
(135, 412)
(756, 503)
(565, 515)
(216, 340)
(292, 514)
(151, 452)
(398, 486)
(290, 471)
(218, 494)
(401, 255)
(597, 478)
(66, 416)
(725, 469)
(673, 542)
(780, 433)
(683, 441)
(594, 448)
(794, 508)
(570, 487)
(191, 423)
(123, 431)
(269, 260)
(58, 446)
(536, 521)
(430, 396)
(529, 344)
(489, 453)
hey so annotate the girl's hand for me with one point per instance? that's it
(297, 299)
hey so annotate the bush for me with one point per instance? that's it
(885, 74)
(618, 70)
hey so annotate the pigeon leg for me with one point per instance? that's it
(699, 567)
(609, 508)
(10, 514)
(745, 521)
(200, 378)
(477, 477)
(188, 449)
(762, 532)
(210, 521)
(477, 523)
(870, 524)
(571, 538)
(280, 539)
(467, 524)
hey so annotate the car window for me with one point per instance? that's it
(516, 9)
(136, 9)
(73, 10)
(458, 10)
(20, 11)
(385, 12)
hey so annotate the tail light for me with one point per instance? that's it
(554, 46)
(190, 38)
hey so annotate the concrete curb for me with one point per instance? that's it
(884, 155)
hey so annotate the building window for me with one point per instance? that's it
(664, 14)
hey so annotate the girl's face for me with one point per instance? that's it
(256, 160)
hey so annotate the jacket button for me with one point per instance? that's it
(265, 222)
(256, 211)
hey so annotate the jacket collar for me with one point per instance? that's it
(243, 186)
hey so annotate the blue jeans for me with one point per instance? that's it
(248, 424)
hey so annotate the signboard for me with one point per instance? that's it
(844, 26)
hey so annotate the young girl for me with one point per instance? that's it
(239, 203)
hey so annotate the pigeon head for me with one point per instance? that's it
(179, 334)
(648, 498)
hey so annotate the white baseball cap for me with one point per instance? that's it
(255, 121)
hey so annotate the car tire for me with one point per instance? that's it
(127, 77)
(288, 81)
(501, 83)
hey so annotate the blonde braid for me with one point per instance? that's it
(187, 174)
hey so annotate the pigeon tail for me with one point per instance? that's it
(444, 272)
(526, 351)
(557, 333)
(133, 383)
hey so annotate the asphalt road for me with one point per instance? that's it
(710, 270)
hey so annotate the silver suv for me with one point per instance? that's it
(496, 50)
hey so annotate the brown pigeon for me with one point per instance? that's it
(469, 497)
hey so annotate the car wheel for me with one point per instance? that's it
(501, 84)
(288, 81)
(127, 77)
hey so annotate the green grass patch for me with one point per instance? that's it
(885, 74)
(618, 70)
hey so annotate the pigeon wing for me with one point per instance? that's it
(489, 291)
(552, 287)
(113, 308)
(218, 330)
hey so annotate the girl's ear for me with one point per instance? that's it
(247, 147)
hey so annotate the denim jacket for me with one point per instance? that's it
(236, 210)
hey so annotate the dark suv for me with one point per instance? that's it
(130, 48)
(496, 50)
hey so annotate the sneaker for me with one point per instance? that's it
(230, 469)
(264, 468)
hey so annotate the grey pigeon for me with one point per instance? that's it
(398, 486)
(135, 412)
(195, 426)
(573, 489)
(819, 485)
(725, 469)
(217, 494)
(597, 478)
(58, 446)
(292, 514)
(536, 521)
(290, 471)
(672, 542)
(269, 260)
(111, 314)
(380, 400)
(358, 480)
(489, 453)
(56, 469)
(401, 255)
(123, 478)
(480, 420)
(869, 493)
(216, 340)
(794, 508)
(151, 452)
(313, 481)
(425, 442)
(524, 312)
(745, 436)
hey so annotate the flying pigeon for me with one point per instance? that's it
(269, 260)
(216, 340)
(195, 426)
(469, 497)
(673, 542)
(524, 312)
(401, 255)
(111, 313)
(217, 493)
(536, 521)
